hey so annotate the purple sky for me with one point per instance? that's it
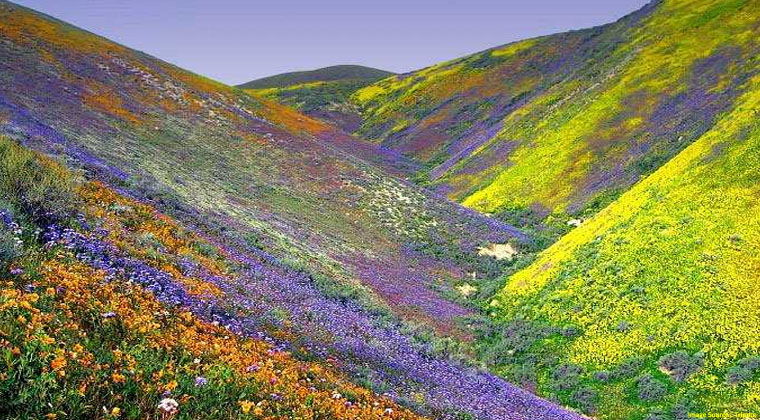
(237, 40)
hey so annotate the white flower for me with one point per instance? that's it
(168, 405)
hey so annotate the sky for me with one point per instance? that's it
(235, 41)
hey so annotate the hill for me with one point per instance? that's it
(318, 249)
(323, 94)
(642, 133)
(657, 291)
(325, 74)
(110, 309)
(605, 106)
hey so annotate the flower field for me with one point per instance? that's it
(118, 312)
(253, 218)
(173, 247)
(659, 290)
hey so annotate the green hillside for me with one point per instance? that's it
(564, 123)
(326, 74)
(658, 291)
(323, 93)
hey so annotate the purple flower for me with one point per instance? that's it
(200, 381)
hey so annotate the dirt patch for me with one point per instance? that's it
(498, 251)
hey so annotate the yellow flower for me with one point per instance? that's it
(171, 385)
(116, 412)
(245, 406)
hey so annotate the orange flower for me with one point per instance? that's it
(171, 386)
(58, 363)
(118, 378)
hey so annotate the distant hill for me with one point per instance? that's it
(322, 93)
(326, 74)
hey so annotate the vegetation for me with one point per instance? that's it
(81, 341)
(326, 74)
(208, 253)
(663, 276)
(33, 185)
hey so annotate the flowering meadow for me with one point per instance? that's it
(116, 311)
(172, 247)
(658, 293)
(635, 144)
(255, 221)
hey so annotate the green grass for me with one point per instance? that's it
(34, 185)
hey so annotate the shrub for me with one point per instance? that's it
(566, 377)
(658, 414)
(680, 365)
(585, 399)
(9, 249)
(602, 376)
(35, 185)
(744, 370)
(628, 369)
(649, 388)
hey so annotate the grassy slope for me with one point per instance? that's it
(257, 171)
(605, 106)
(671, 266)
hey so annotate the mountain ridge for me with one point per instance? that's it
(339, 72)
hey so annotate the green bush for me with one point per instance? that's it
(649, 388)
(680, 365)
(744, 370)
(35, 185)
(9, 249)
